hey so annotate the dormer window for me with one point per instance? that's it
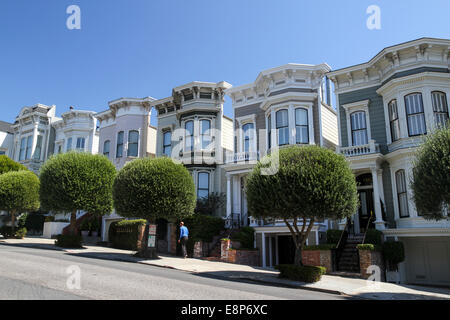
(440, 108)
(359, 128)
(415, 114)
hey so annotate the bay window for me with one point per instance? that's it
(119, 148)
(393, 120)
(189, 135)
(133, 143)
(415, 114)
(359, 128)
(301, 126)
(440, 108)
(81, 143)
(205, 133)
(167, 143)
(29, 147)
(282, 125)
(38, 149)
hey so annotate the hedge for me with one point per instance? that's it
(124, 234)
(333, 236)
(246, 236)
(394, 252)
(68, 241)
(301, 273)
(369, 247)
(373, 236)
(6, 232)
(328, 246)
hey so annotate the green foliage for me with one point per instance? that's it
(124, 234)
(8, 233)
(373, 236)
(22, 220)
(49, 219)
(68, 241)
(77, 181)
(154, 188)
(393, 252)
(246, 237)
(34, 221)
(369, 247)
(19, 191)
(203, 228)
(301, 273)
(321, 247)
(95, 225)
(85, 225)
(8, 165)
(431, 175)
(311, 182)
(209, 205)
(333, 236)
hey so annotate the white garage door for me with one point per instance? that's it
(427, 260)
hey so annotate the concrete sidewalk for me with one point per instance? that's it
(331, 284)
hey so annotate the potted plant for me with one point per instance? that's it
(85, 227)
(95, 225)
(393, 253)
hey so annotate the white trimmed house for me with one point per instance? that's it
(385, 106)
(286, 105)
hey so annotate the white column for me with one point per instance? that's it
(379, 223)
(228, 195)
(263, 249)
(270, 252)
(276, 250)
(35, 136)
(317, 236)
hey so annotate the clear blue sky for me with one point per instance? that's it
(139, 48)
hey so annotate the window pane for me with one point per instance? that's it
(440, 108)
(37, 151)
(120, 137)
(29, 147)
(119, 150)
(189, 126)
(282, 118)
(106, 147)
(301, 117)
(132, 150)
(167, 138)
(401, 193)
(205, 126)
(203, 180)
(301, 134)
(133, 137)
(22, 149)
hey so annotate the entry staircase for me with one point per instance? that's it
(349, 257)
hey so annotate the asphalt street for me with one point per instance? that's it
(28, 273)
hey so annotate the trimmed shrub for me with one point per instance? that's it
(7, 232)
(393, 252)
(373, 236)
(246, 236)
(68, 241)
(8, 165)
(369, 247)
(301, 273)
(202, 228)
(35, 222)
(124, 234)
(321, 247)
(333, 236)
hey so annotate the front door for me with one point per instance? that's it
(366, 211)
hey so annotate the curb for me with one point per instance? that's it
(33, 246)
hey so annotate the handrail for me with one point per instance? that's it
(367, 226)
(342, 234)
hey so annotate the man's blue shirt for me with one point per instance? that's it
(183, 232)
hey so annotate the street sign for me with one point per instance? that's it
(152, 229)
(151, 241)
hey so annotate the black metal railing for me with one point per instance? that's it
(341, 245)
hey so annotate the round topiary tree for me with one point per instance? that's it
(77, 181)
(7, 165)
(19, 192)
(431, 175)
(154, 188)
(310, 183)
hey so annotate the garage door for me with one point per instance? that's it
(427, 260)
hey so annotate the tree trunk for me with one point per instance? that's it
(73, 222)
(13, 222)
(298, 256)
(146, 252)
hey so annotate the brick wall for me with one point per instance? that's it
(317, 258)
(368, 258)
(173, 239)
(245, 257)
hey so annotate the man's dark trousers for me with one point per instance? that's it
(183, 245)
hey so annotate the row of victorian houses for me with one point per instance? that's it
(383, 109)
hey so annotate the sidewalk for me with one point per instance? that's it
(357, 288)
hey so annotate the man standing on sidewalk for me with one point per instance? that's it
(184, 233)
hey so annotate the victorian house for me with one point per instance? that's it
(385, 107)
(125, 134)
(286, 105)
(6, 139)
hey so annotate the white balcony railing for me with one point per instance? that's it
(369, 148)
(242, 157)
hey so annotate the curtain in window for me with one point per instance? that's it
(414, 112)
(282, 123)
(359, 128)
(301, 126)
(440, 108)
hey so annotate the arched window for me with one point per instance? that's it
(167, 143)
(203, 185)
(415, 114)
(248, 137)
(205, 133)
(393, 120)
(440, 108)
(402, 193)
(80, 144)
(119, 149)
(282, 122)
(133, 143)
(359, 128)
(189, 135)
(106, 148)
(301, 126)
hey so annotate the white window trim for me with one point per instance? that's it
(351, 108)
(211, 131)
(242, 121)
(138, 145)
